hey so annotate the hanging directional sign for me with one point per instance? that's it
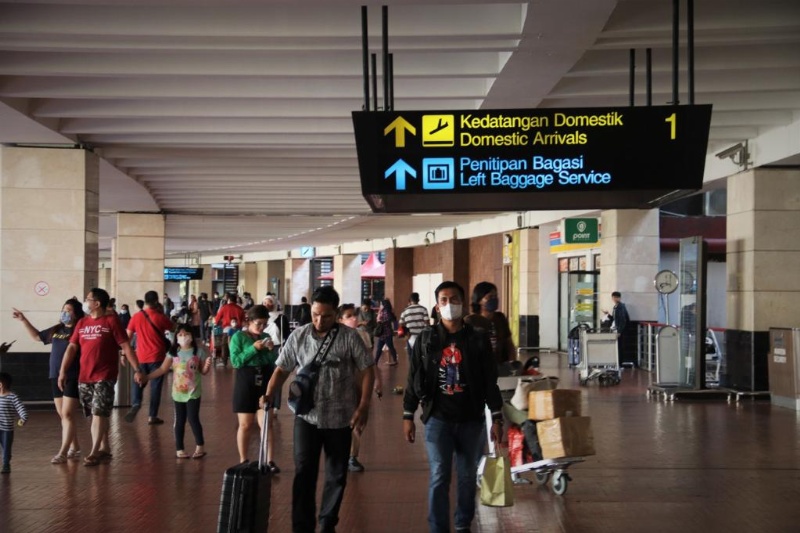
(597, 158)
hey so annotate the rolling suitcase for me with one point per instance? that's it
(245, 499)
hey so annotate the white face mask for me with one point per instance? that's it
(450, 311)
(185, 341)
(86, 309)
(350, 322)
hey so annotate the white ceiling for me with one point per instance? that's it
(233, 117)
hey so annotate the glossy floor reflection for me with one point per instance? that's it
(685, 466)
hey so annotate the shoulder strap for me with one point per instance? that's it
(159, 333)
(327, 342)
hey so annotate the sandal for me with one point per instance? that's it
(273, 467)
(91, 460)
(73, 454)
(182, 455)
(58, 459)
(198, 455)
(103, 454)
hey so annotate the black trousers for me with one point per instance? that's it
(309, 442)
(189, 410)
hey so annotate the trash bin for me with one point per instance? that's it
(122, 390)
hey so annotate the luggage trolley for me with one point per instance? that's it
(543, 470)
(600, 358)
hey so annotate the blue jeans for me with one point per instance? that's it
(6, 441)
(466, 441)
(155, 389)
(385, 341)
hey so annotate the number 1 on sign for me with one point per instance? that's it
(672, 121)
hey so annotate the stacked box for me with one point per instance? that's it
(569, 436)
(549, 404)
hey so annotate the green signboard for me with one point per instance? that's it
(581, 231)
(525, 159)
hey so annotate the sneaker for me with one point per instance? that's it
(131, 416)
(354, 466)
(155, 421)
(6, 469)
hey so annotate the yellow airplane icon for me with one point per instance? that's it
(438, 130)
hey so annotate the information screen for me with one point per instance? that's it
(413, 161)
(182, 273)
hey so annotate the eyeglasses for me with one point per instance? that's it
(259, 324)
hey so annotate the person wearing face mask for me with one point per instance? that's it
(188, 360)
(67, 400)
(485, 316)
(100, 338)
(453, 376)
(124, 315)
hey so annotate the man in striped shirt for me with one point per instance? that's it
(414, 319)
(9, 404)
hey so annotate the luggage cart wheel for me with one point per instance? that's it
(542, 477)
(560, 482)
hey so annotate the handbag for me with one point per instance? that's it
(497, 489)
(167, 343)
(301, 390)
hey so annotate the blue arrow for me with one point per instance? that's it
(400, 169)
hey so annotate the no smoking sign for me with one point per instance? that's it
(41, 288)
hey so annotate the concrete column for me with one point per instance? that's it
(629, 261)
(399, 274)
(48, 235)
(248, 280)
(203, 285)
(763, 260)
(347, 277)
(526, 242)
(138, 257)
(297, 280)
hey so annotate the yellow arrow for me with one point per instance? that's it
(400, 125)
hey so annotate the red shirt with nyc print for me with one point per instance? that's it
(99, 339)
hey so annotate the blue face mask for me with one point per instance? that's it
(491, 304)
(66, 317)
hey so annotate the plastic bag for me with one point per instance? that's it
(497, 489)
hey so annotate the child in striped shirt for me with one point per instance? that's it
(9, 402)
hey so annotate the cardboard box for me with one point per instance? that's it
(569, 436)
(549, 404)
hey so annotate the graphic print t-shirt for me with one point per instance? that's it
(452, 400)
(59, 337)
(186, 374)
(99, 339)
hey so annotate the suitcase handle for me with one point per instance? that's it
(262, 445)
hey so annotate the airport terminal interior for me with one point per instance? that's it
(562, 150)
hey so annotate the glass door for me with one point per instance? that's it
(577, 303)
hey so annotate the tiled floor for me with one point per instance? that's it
(685, 466)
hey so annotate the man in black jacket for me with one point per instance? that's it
(619, 322)
(453, 376)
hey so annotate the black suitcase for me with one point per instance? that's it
(245, 499)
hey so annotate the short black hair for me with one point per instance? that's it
(6, 380)
(616, 294)
(304, 300)
(140, 304)
(449, 285)
(258, 312)
(151, 297)
(366, 301)
(344, 308)
(326, 295)
(415, 297)
(101, 296)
